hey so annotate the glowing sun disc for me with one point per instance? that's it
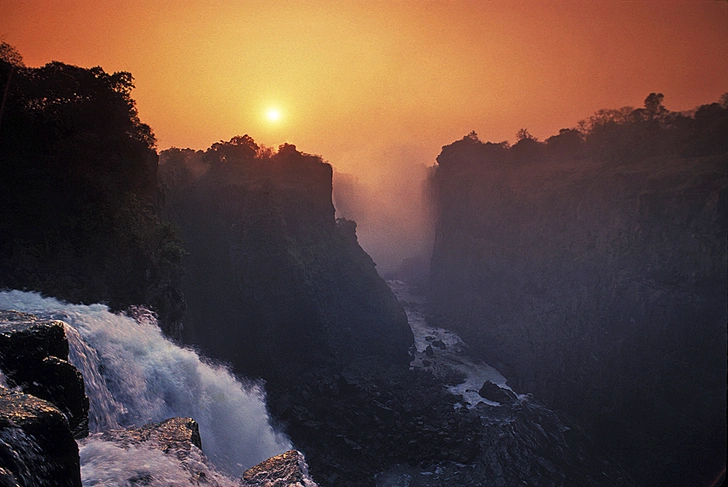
(273, 115)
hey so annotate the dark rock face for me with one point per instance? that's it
(284, 470)
(357, 423)
(525, 444)
(36, 445)
(393, 427)
(33, 356)
(274, 284)
(598, 287)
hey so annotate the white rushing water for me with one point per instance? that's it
(134, 375)
(452, 352)
(104, 463)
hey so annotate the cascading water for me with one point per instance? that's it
(134, 376)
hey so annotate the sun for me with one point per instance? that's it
(273, 115)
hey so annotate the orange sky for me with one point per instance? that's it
(377, 87)
(356, 80)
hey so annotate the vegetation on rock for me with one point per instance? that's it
(591, 269)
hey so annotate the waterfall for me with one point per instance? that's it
(134, 375)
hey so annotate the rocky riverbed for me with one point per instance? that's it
(372, 424)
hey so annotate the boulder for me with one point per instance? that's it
(494, 393)
(178, 434)
(36, 444)
(34, 357)
(284, 470)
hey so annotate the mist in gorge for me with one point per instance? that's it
(363, 244)
(392, 205)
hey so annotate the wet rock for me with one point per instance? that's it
(439, 344)
(287, 469)
(494, 393)
(429, 351)
(34, 357)
(174, 443)
(179, 434)
(36, 445)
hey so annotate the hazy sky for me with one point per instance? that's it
(377, 87)
(356, 80)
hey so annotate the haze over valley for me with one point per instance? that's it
(413, 243)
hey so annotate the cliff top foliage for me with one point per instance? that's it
(78, 188)
(622, 136)
(238, 160)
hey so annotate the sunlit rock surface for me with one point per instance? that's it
(287, 469)
(34, 357)
(180, 434)
(36, 446)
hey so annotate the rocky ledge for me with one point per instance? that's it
(36, 444)
(176, 441)
(287, 469)
(34, 358)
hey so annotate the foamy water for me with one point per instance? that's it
(454, 355)
(104, 463)
(134, 375)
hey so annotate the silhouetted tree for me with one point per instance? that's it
(653, 106)
(524, 134)
(238, 149)
(79, 192)
(10, 55)
(568, 143)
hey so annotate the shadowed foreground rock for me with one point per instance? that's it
(36, 445)
(34, 357)
(492, 392)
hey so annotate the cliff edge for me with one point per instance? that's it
(599, 285)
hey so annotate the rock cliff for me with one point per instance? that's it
(597, 285)
(34, 358)
(273, 282)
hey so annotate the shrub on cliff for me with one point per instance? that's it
(79, 193)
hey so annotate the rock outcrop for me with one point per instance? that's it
(39, 424)
(494, 393)
(274, 284)
(288, 469)
(34, 358)
(174, 452)
(600, 287)
(36, 444)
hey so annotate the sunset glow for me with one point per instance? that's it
(273, 115)
(377, 88)
(374, 77)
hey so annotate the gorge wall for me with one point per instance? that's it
(598, 283)
(273, 282)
